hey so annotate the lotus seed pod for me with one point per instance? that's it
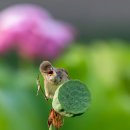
(71, 99)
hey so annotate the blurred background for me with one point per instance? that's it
(90, 39)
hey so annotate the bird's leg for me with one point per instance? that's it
(39, 87)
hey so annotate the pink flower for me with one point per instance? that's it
(33, 32)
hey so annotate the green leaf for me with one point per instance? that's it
(71, 98)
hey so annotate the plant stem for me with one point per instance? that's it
(51, 127)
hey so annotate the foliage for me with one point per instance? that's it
(71, 99)
(103, 66)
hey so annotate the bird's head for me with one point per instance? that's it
(51, 74)
(48, 71)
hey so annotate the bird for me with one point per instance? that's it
(53, 78)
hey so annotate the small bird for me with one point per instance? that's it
(53, 77)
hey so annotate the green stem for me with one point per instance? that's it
(51, 127)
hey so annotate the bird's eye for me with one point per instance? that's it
(50, 72)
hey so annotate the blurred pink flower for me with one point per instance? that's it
(33, 32)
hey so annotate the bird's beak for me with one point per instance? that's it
(51, 72)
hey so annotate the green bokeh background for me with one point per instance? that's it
(104, 66)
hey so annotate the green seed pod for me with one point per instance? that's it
(71, 99)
